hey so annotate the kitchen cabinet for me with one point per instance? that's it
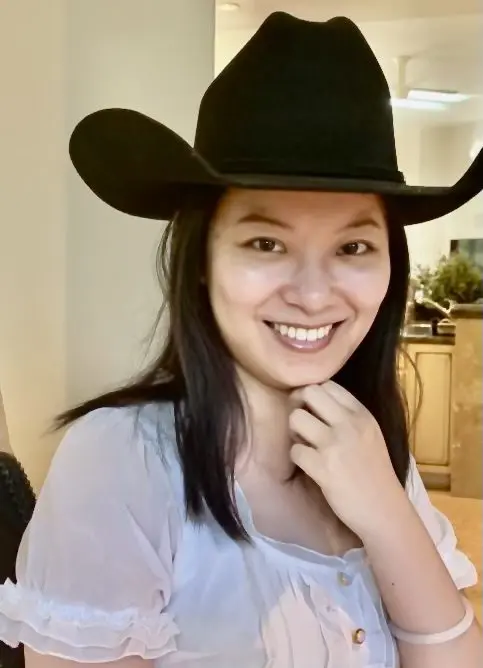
(429, 407)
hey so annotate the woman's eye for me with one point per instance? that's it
(355, 248)
(266, 245)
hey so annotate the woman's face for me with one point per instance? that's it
(296, 279)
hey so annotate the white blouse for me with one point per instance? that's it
(110, 567)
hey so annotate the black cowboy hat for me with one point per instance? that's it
(302, 106)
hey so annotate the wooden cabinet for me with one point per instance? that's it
(429, 404)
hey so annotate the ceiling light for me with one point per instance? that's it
(443, 96)
(424, 105)
(229, 6)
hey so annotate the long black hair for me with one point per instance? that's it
(195, 370)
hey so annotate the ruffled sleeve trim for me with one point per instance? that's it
(80, 633)
(461, 569)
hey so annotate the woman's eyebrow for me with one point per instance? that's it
(255, 217)
(357, 223)
(364, 222)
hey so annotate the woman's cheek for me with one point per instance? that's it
(250, 282)
(367, 283)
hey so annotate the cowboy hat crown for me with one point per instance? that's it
(302, 106)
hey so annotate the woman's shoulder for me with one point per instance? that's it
(124, 426)
(127, 446)
(95, 565)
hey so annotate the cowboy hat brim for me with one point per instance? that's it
(142, 168)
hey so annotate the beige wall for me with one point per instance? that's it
(77, 288)
(4, 438)
(444, 155)
(32, 223)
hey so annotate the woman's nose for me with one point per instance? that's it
(310, 288)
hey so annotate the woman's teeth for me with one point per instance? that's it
(302, 334)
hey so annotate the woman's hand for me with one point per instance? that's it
(339, 445)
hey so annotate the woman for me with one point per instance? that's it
(250, 500)
(17, 502)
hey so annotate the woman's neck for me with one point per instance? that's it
(267, 450)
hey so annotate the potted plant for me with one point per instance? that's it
(456, 279)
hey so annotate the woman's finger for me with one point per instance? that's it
(310, 429)
(342, 396)
(324, 405)
(306, 458)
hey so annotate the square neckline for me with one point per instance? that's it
(306, 557)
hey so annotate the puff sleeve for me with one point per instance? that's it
(94, 568)
(441, 531)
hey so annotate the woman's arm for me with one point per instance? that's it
(342, 449)
(418, 591)
(35, 660)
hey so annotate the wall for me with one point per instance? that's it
(444, 155)
(4, 438)
(77, 286)
(156, 57)
(33, 165)
(468, 221)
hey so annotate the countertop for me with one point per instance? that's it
(467, 311)
(438, 339)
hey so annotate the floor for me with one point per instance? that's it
(466, 516)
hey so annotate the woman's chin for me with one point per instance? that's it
(292, 381)
(278, 375)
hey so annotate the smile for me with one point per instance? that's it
(301, 333)
(303, 338)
